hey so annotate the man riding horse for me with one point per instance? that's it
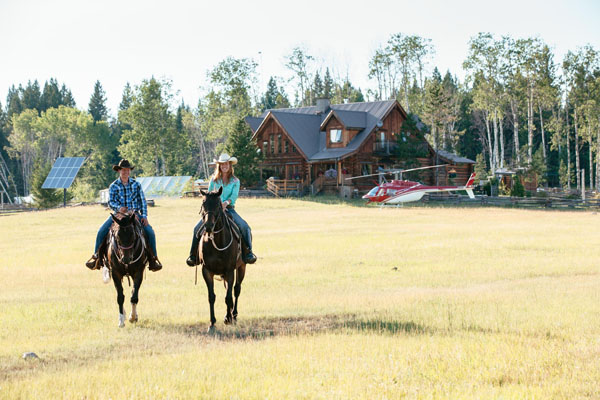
(125, 194)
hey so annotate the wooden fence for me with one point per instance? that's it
(285, 187)
(196, 186)
(520, 202)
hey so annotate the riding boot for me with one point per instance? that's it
(247, 255)
(192, 260)
(153, 262)
(96, 261)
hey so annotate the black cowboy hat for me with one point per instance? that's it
(123, 164)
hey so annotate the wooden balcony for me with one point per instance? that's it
(385, 147)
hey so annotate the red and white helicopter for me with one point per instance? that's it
(400, 191)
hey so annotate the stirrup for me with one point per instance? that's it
(154, 265)
(250, 258)
(191, 261)
(93, 262)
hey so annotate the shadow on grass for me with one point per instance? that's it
(262, 328)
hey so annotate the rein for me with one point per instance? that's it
(211, 235)
(119, 249)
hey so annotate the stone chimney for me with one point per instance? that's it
(322, 105)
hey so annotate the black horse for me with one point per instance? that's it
(127, 257)
(220, 254)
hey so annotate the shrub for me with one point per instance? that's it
(518, 190)
(44, 198)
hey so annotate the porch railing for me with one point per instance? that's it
(385, 146)
(284, 187)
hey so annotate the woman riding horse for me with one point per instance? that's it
(224, 178)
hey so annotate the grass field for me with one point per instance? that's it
(344, 302)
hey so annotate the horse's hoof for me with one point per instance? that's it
(133, 319)
(212, 330)
(121, 320)
(227, 321)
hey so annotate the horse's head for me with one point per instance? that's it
(125, 235)
(211, 209)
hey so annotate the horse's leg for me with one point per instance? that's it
(120, 298)
(229, 278)
(210, 285)
(137, 282)
(239, 277)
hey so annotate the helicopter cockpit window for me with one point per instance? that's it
(373, 191)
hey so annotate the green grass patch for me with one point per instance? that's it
(345, 301)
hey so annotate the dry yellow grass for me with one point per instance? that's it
(344, 302)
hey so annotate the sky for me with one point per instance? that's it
(119, 41)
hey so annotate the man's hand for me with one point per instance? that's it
(123, 210)
(144, 221)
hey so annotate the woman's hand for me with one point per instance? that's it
(225, 204)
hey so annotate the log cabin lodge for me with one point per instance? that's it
(319, 146)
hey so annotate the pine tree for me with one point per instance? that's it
(241, 145)
(31, 96)
(97, 107)
(269, 100)
(13, 102)
(327, 85)
(44, 198)
(51, 97)
(67, 97)
(317, 87)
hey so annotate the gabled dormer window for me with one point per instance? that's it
(335, 135)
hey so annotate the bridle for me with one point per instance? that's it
(138, 243)
(219, 216)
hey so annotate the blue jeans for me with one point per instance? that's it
(239, 221)
(103, 231)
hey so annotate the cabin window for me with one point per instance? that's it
(272, 140)
(335, 136)
(265, 147)
(287, 146)
(382, 136)
(279, 143)
(293, 149)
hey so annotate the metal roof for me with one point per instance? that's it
(159, 186)
(254, 122)
(350, 119)
(304, 126)
(454, 158)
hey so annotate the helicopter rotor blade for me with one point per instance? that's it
(397, 171)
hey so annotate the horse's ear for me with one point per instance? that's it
(220, 190)
(114, 218)
(203, 192)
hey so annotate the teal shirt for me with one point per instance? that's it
(230, 191)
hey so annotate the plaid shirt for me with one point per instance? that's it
(130, 196)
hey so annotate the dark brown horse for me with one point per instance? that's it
(220, 254)
(126, 257)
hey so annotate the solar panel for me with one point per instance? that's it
(157, 186)
(63, 172)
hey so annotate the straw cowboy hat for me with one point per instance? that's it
(223, 158)
(123, 164)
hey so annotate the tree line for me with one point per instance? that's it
(516, 109)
